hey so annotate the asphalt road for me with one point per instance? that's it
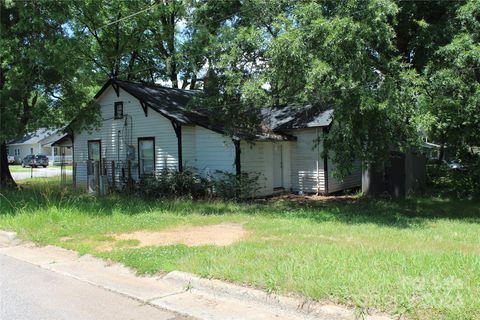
(39, 172)
(29, 292)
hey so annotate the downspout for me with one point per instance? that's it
(74, 164)
(179, 147)
(118, 144)
(178, 132)
(325, 160)
(317, 162)
(238, 169)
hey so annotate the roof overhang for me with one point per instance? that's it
(65, 141)
(264, 136)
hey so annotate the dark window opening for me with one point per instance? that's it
(146, 156)
(119, 110)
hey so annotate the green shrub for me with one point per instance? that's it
(172, 183)
(228, 185)
(459, 184)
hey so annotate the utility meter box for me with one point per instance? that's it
(130, 152)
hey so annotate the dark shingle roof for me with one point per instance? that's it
(169, 102)
(294, 117)
(172, 103)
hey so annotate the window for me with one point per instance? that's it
(146, 156)
(119, 110)
(94, 150)
(31, 150)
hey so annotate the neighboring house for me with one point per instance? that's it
(151, 126)
(39, 142)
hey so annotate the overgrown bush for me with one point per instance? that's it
(460, 184)
(228, 185)
(172, 183)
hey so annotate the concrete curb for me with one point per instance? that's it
(9, 239)
(294, 306)
(177, 291)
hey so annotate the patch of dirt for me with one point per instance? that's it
(223, 234)
(311, 199)
(65, 239)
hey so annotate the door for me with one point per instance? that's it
(277, 166)
(94, 155)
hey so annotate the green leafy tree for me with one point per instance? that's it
(452, 93)
(339, 55)
(38, 71)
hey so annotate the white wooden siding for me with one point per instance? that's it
(351, 181)
(213, 151)
(307, 169)
(258, 158)
(116, 134)
(188, 147)
(287, 164)
(253, 160)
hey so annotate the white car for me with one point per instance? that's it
(11, 159)
(456, 165)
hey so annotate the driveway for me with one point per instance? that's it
(29, 292)
(39, 172)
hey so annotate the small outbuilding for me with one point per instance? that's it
(403, 174)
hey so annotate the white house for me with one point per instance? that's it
(39, 142)
(150, 127)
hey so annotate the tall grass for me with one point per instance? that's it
(419, 257)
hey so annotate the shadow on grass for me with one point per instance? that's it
(412, 212)
(409, 213)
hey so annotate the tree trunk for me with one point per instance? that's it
(171, 49)
(173, 72)
(6, 180)
(441, 154)
(193, 81)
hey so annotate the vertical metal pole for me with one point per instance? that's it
(97, 176)
(113, 174)
(129, 175)
(74, 174)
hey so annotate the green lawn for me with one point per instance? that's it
(418, 258)
(18, 168)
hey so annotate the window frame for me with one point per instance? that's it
(100, 149)
(115, 106)
(140, 159)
